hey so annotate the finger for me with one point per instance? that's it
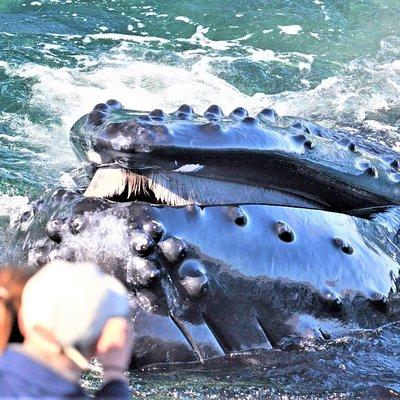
(114, 334)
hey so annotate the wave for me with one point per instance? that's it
(362, 98)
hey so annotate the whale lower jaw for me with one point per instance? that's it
(210, 281)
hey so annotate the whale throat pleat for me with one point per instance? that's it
(180, 189)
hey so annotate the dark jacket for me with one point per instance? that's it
(23, 377)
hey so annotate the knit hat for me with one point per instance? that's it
(72, 302)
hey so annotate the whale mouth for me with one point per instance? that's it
(120, 184)
(183, 158)
(156, 186)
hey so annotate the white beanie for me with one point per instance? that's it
(72, 302)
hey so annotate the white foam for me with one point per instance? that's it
(344, 100)
(258, 55)
(379, 126)
(323, 9)
(304, 66)
(315, 35)
(128, 38)
(139, 85)
(68, 93)
(199, 38)
(13, 206)
(48, 146)
(51, 46)
(10, 138)
(304, 61)
(66, 181)
(7, 69)
(183, 19)
(290, 29)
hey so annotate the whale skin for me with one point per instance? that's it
(231, 232)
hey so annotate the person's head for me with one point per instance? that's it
(65, 307)
(12, 281)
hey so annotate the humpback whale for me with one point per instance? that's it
(232, 232)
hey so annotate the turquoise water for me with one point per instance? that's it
(335, 62)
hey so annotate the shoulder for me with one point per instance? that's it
(21, 376)
(11, 386)
(114, 389)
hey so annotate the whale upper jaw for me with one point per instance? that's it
(184, 158)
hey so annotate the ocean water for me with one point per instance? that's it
(335, 62)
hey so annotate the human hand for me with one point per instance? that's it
(114, 348)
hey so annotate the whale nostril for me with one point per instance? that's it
(285, 233)
(26, 216)
(347, 250)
